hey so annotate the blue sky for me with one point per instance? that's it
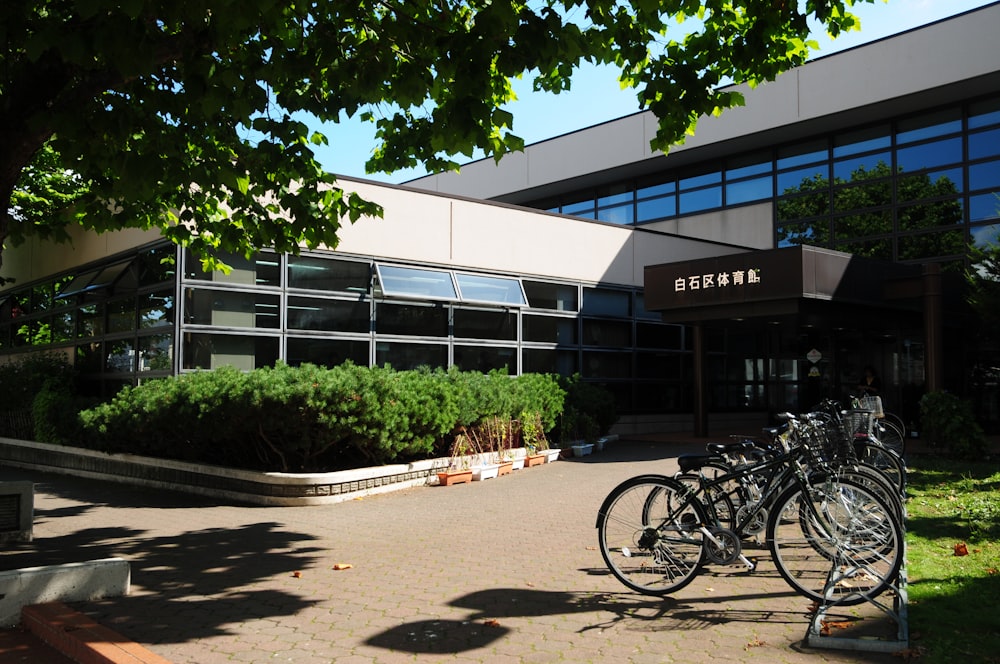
(596, 96)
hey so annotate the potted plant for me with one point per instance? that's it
(533, 437)
(460, 467)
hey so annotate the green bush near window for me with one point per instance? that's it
(948, 422)
(589, 413)
(308, 418)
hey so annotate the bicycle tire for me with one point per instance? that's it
(891, 437)
(845, 548)
(648, 533)
(877, 456)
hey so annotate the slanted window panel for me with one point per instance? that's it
(416, 283)
(231, 309)
(326, 352)
(494, 290)
(938, 123)
(324, 274)
(210, 351)
(476, 324)
(558, 297)
(541, 360)
(156, 352)
(314, 313)
(864, 140)
(406, 356)
(485, 358)
(549, 329)
(413, 320)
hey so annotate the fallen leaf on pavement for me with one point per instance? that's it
(492, 622)
(297, 575)
(340, 566)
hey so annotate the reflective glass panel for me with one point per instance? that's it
(156, 309)
(584, 208)
(485, 358)
(156, 352)
(651, 335)
(984, 144)
(607, 333)
(700, 199)
(860, 225)
(929, 155)
(119, 356)
(326, 352)
(411, 319)
(538, 360)
(210, 351)
(620, 214)
(939, 123)
(984, 176)
(804, 179)
(930, 215)
(404, 357)
(803, 153)
(748, 190)
(984, 113)
(659, 366)
(607, 365)
(607, 302)
(656, 208)
(615, 196)
(657, 189)
(474, 324)
(860, 196)
(261, 270)
(929, 185)
(230, 308)
(931, 245)
(559, 297)
(864, 140)
(986, 236)
(90, 320)
(483, 288)
(550, 329)
(984, 207)
(748, 165)
(89, 358)
(880, 249)
(416, 282)
(325, 274)
(863, 168)
(121, 315)
(801, 207)
(156, 265)
(703, 180)
(314, 313)
(809, 232)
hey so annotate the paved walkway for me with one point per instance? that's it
(505, 570)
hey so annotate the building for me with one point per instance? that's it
(821, 228)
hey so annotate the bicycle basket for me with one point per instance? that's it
(874, 404)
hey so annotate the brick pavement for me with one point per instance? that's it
(505, 570)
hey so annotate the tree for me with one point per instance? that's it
(185, 116)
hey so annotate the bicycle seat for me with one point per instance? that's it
(692, 462)
(742, 446)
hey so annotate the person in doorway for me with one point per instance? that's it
(870, 384)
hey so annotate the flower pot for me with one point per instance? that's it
(551, 454)
(505, 468)
(534, 460)
(449, 477)
(583, 450)
(517, 464)
(485, 472)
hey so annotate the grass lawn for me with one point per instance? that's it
(953, 560)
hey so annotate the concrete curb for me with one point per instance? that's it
(71, 582)
(81, 639)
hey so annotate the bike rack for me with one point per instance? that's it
(894, 612)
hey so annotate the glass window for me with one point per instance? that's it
(411, 319)
(984, 113)
(607, 365)
(803, 207)
(326, 352)
(543, 295)
(156, 265)
(607, 333)
(929, 185)
(619, 214)
(550, 329)
(878, 249)
(700, 199)
(930, 215)
(748, 190)
(804, 179)
(156, 309)
(607, 302)
(314, 313)
(156, 352)
(404, 357)
(659, 366)
(42, 297)
(62, 326)
(748, 165)
(929, 155)
(860, 196)
(230, 308)
(90, 320)
(210, 351)
(984, 144)
(808, 232)
(803, 153)
(261, 270)
(640, 308)
(121, 315)
(938, 123)
(540, 360)
(651, 335)
(78, 285)
(584, 208)
(416, 282)
(615, 195)
(984, 176)
(483, 288)
(478, 324)
(863, 168)
(864, 140)
(984, 207)
(485, 358)
(89, 358)
(986, 236)
(861, 225)
(119, 356)
(326, 274)
(656, 189)
(931, 245)
(656, 208)
(695, 181)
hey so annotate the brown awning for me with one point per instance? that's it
(776, 282)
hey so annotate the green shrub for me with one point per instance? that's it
(948, 422)
(589, 413)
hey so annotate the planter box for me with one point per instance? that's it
(583, 450)
(551, 454)
(534, 460)
(454, 477)
(517, 464)
(505, 468)
(485, 472)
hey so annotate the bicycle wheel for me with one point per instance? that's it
(890, 436)
(875, 455)
(845, 547)
(649, 534)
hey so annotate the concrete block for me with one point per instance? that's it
(71, 582)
